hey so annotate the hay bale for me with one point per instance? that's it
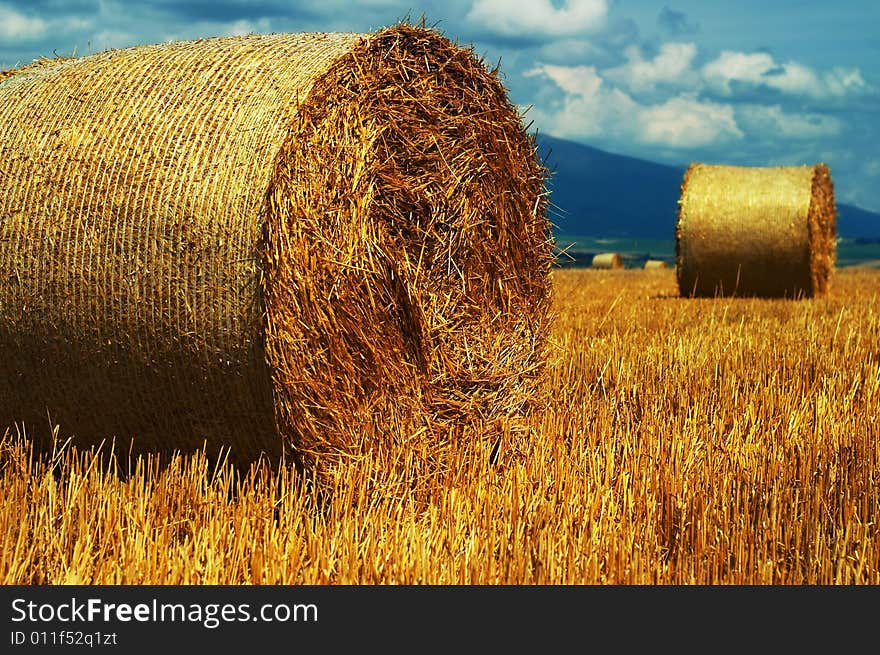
(36, 63)
(327, 241)
(751, 231)
(652, 264)
(607, 260)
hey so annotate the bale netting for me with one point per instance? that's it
(607, 260)
(755, 231)
(330, 242)
(654, 264)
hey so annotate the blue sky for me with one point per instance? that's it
(751, 82)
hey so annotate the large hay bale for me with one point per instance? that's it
(653, 264)
(327, 240)
(607, 260)
(752, 231)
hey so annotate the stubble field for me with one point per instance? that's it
(704, 441)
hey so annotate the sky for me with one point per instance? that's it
(743, 82)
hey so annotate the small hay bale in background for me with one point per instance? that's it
(753, 231)
(607, 260)
(332, 241)
(652, 264)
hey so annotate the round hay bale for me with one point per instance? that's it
(607, 260)
(652, 264)
(752, 231)
(327, 241)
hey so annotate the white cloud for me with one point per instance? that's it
(684, 122)
(856, 178)
(843, 81)
(574, 80)
(72, 23)
(242, 27)
(794, 78)
(590, 108)
(231, 28)
(738, 66)
(667, 101)
(17, 27)
(108, 39)
(772, 119)
(538, 18)
(672, 65)
(760, 69)
(568, 50)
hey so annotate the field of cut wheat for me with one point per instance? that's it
(683, 441)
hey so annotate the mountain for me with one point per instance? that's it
(600, 194)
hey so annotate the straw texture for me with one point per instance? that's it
(607, 260)
(752, 231)
(321, 241)
(652, 264)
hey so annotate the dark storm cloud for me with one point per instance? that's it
(675, 23)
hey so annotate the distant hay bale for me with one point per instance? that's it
(607, 260)
(751, 231)
(652, 264)
(328, 241)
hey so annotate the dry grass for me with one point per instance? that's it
(711, 441)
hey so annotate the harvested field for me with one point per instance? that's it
(685, 441)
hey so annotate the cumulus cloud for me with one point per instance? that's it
(588, 106)
(746, 105)
(107, 39)
(686, 122)
(671, 101)
(568, 50)
(242, 27)
(574, 80)
(672, 65)
(591, 107)
(538, 19)
(771, 119)
(16, 27)
(843, 81)
(759, 69)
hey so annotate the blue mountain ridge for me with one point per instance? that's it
(603, 195)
